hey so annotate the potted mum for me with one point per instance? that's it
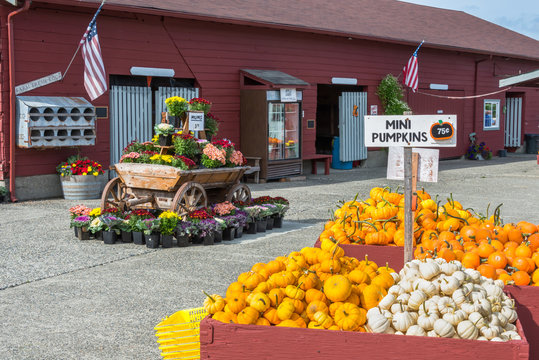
(176, 107)
(164, 131)
(168, 220)
(81, 178)
(213, 157)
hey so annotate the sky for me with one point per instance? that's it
(521, 16)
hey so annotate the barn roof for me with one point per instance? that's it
(382, 20)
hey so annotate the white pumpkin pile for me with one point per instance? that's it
(439, 299)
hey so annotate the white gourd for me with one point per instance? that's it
(426, 286)
(499, 283)
(429, 270)
(387, 314)
(448, 268)
(477, 319)
(440, 261)
(414, 316)
(496, 338)
(475, 296)
(416, 298)
(387, 301)
(403, 298)
(474, 275)
(509, 313)
(485, 307)
(426, 321)
(398, 308)
(416, 330)
(511, 335)
(489, 331)
(493, 290)
(495, 305)
(443, 328)
(432, 333)
(390, 330)
(446, 304)
(510, 327)
(407, 286)
(482, 338)
(459, 296)
(449, 285)
(470, 307)
(493, 320)
(467, 330)
(402, 321)
(458, 264)
(398, 333)
(455, 317)
(501, 318)
(460, 275)
(508, 302)
(378, 323)
(467, 287)
(396, 277)
(395, 290)
(374, 311)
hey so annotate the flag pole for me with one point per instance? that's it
(80, 42)
(416, 50)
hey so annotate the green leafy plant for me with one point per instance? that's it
(164, 129)
(211, 125)
(3, 191)
(391, 94)
(186, 145)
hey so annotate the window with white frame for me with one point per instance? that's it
(491, 115)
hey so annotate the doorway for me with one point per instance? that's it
(327, 114)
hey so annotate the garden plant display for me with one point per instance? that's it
(76, 165)
(509, 252)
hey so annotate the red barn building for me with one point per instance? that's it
(240, 54)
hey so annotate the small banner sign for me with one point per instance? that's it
(411, 130)
(38, 83)
(427, 167)
(196, 120)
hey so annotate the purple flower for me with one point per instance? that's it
(83, 218)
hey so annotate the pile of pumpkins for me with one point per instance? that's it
(436, 298)
(317, 288)
(509, 252)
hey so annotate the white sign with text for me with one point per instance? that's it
(438, 130)
(288, 95)
(427, 166)
(196, 120)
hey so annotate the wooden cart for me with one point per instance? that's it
(150, 186)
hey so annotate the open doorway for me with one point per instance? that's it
(327, 114)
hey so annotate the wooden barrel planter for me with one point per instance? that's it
(82, 187)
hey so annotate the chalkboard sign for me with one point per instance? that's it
(442, 130)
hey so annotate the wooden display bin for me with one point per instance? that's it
(526, 297)
(233, 341)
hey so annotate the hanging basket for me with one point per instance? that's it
(82, 187)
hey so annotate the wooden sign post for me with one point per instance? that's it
(410, 131)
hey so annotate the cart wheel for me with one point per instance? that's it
(190, 196)
(239, 192)
(115, 194)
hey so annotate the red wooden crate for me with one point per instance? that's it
(526, 297)
(233, 341)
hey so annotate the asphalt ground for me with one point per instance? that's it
(61, 298)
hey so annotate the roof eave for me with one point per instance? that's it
(228, 20)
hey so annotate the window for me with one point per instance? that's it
(491, 115)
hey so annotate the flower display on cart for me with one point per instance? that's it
(213, 157)
(176, 105)
(131, 157)
(139, 147)
(76, 165)
(199, 104)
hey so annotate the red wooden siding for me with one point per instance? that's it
(214, 53)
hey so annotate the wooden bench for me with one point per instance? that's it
(254, 163)
(319, 157)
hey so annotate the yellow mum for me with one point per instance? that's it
(169, 215)
(95, 173)
(95, 212)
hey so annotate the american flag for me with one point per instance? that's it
(410, 71)
(94, 71)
